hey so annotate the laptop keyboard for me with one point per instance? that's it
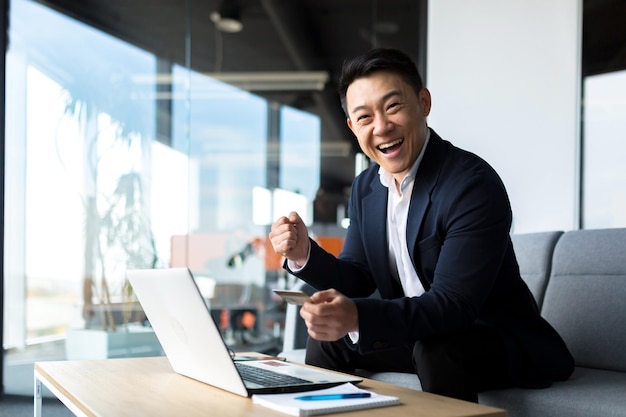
(265, 377)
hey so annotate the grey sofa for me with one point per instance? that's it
(579, 281)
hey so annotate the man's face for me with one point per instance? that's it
(389, 120)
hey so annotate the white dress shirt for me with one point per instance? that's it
(401, 265)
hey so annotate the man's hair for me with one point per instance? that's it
(379, 59)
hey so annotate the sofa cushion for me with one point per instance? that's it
(589, 392)
(585, 297)
(402, 379)
(534, 256)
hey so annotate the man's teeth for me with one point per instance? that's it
(386, 146)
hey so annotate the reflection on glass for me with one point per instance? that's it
(80, 134)
(300, 153)
(604, 171)
(109, 167)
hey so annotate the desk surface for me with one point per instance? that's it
(149, 387)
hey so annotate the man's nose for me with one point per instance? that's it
(382, 125)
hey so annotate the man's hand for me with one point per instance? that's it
(330, 315)
(290, 238)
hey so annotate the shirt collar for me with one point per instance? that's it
(386, 178)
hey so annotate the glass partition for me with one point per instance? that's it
(300, 151)
(117, 158)
(79, 139)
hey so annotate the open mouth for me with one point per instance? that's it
(387, 147)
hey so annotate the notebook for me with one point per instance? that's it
(194, 345)
(291, 403)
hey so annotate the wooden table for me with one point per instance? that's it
(149, 387)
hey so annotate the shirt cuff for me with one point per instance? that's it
(295, 268)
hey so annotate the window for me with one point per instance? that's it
(604, 172)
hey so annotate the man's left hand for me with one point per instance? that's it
(330, 315)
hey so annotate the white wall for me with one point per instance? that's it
(505, 82)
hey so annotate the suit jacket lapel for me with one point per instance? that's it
(425, 180)
(375, 234)
(374, 209)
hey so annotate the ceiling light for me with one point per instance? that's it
(228, 17)
(253, 81)
(274, 81)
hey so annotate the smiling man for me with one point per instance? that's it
(429, 233)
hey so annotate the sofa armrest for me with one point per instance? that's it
(534, 253)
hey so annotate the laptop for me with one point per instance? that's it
(194, 345)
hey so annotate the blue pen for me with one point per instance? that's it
(334, 396)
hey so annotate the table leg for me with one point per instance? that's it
(37, 398)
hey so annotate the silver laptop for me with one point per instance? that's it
(194, 346)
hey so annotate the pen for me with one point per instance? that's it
(334, 396)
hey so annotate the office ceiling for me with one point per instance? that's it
(309, 35)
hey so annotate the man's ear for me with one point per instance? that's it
(425, 101)
(349, 123)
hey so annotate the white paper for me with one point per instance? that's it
(288, 404)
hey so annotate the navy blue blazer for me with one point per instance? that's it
(458, 238)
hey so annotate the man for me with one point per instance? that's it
(429, 230)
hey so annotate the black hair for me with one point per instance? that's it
(379, 59)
